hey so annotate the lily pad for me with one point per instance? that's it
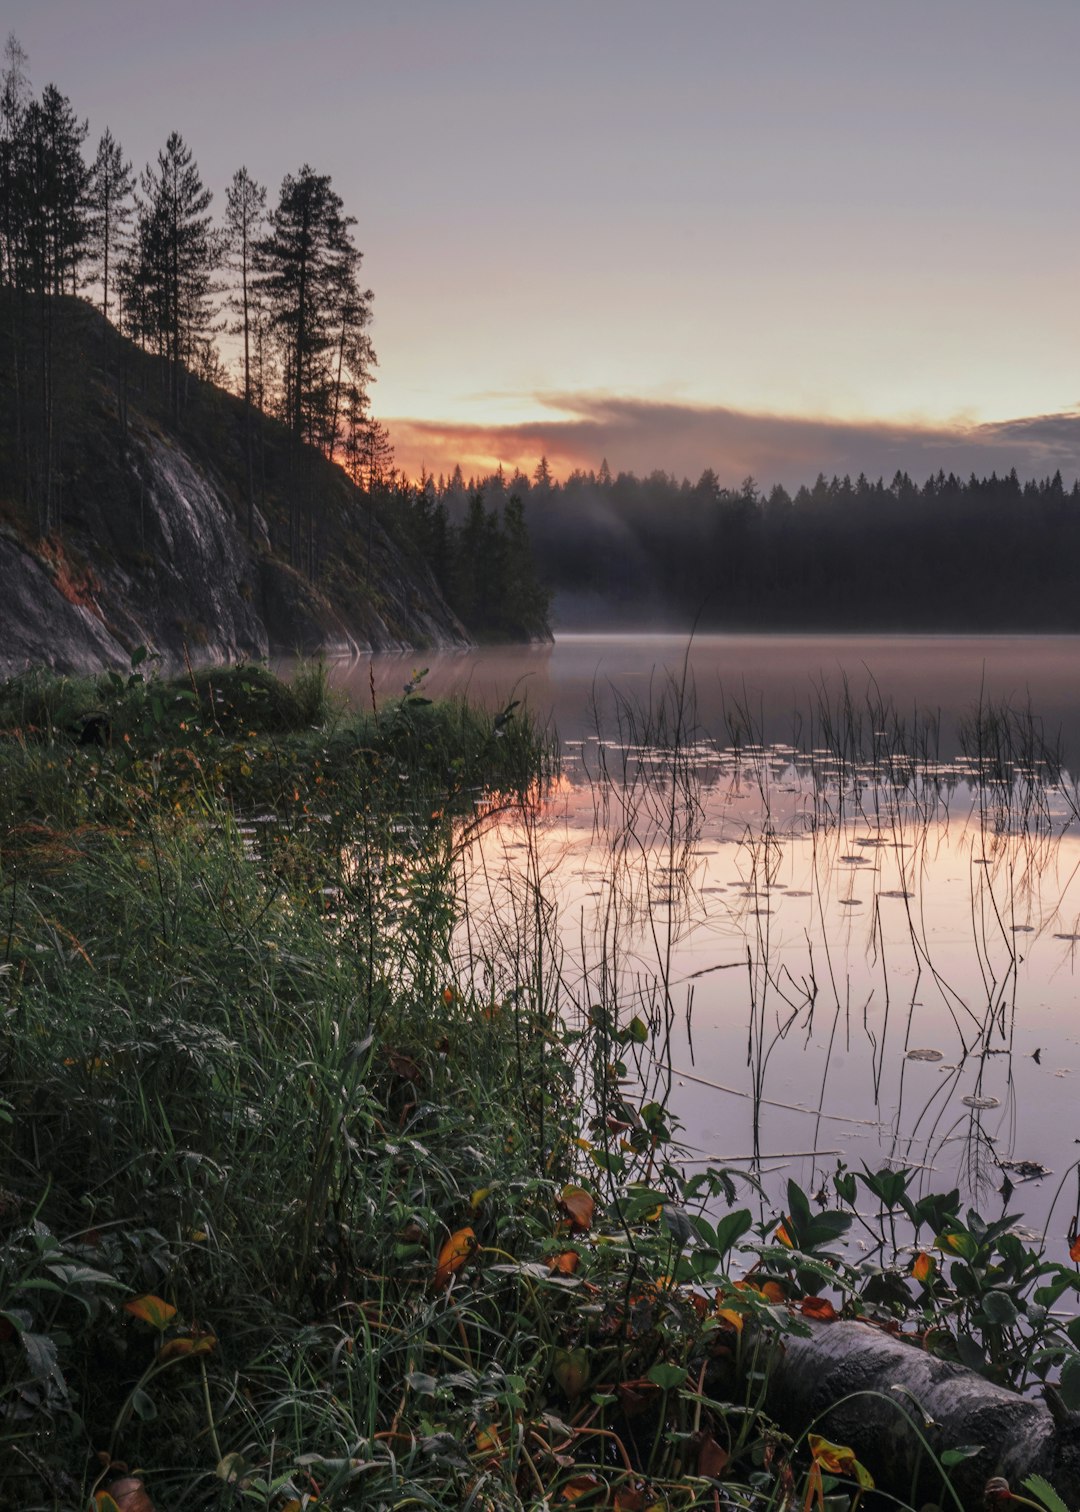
(925, 1055)
(971, 1101)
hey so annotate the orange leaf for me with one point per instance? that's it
(581, 1485)
(579, 1205)
(734, 1319)
(151, 1310)
(783, 1237)
(453, 1256)
(565, 1263)
(772, 1291)
(488, 1440)
(818, 1307)
(627, 1499)
(173, 1348)
(712, 1459)
(1074, 1251)
(923, 1267)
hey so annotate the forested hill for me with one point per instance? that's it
(141, 504)
(149, 541)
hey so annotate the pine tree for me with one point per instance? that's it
(245, 214)
(176, 254)
(109, 198)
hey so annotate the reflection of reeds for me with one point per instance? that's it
(864, 800)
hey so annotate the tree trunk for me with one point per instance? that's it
(897, 1407)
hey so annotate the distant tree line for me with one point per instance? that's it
(144, 246)
(949, 553)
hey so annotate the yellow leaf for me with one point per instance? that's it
(151, 1310)
(453, 1256)
(729, 1315)
(838, 1459)
(478, 1196)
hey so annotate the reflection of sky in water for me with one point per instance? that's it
(853, 971)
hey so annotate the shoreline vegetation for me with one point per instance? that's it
(300, 1205)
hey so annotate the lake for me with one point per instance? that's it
(824, 873)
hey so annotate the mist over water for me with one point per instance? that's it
(853, 939)
(779, 680)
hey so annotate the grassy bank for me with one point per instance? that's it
(294, 1209)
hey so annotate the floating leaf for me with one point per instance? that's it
(151, 1310)
(981, 1103)
(925, 1055)
(579, 1205)
(453, 1256)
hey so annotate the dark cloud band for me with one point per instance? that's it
(641, 435)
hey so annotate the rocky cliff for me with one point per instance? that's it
(154, 547)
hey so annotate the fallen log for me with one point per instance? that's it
(888, 1399)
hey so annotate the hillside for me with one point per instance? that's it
(153, 544)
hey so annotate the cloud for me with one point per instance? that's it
(641, 435)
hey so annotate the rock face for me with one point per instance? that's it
(152, 554)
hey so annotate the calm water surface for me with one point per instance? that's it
(840, 963)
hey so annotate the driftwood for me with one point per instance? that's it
(859, 1386)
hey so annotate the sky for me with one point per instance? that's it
(767, 236)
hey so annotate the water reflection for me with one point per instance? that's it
(852, 933)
